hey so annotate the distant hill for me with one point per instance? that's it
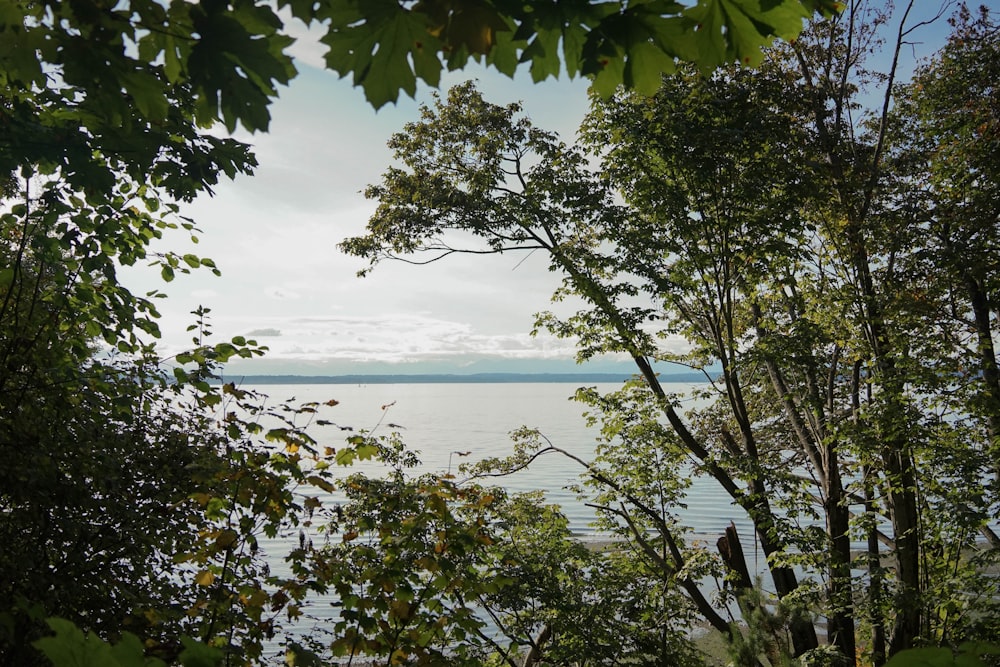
(472, 378)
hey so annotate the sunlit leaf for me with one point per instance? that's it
(204, 578)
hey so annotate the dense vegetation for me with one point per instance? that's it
(834, 257)
(838, 266)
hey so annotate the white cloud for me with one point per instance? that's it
(397, 338)
(275, 237)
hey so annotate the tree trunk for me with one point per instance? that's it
(840, 628)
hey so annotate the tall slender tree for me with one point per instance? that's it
(784, 232)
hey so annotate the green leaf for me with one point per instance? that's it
(345, 456)
(374, 45)
(609, 77)
(197, 654)
(645, 67)
(543, 55)
(366, 452)
(71, 648)
(148, 94)
(172, 66)
(129, 652)
(708, 37)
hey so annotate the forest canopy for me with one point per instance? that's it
(835, 258)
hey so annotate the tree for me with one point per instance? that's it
(766, 224)
(946, 128)
(427, 569)
(101, 459)
(106, 127)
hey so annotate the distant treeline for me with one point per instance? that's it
(472, 378)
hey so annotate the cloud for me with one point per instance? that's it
(307, 48)
(269, 332)
(275, 238)
(400, 338)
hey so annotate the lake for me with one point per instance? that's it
(442, 420)
(439, 420)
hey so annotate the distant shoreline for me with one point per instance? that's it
(454, 378)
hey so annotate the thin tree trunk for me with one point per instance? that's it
(980, 302)
(840, 628)
(756, 504)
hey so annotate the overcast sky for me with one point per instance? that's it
(285, 283)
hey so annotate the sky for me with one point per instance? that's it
(285, 284)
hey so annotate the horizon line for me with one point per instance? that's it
(482, 377)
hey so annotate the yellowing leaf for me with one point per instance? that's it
(226, 539)
(257, 598)
(400, 609)
(197, 607)
(204, 578)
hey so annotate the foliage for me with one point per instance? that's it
(427, 570)
(602, 603)
(387, 46)
(133, 62)
(71, 648)
(971, 654)
(137, 508)
(115, 485)
(402, 564)
(107, 464)
(806, 250)
(129, 503)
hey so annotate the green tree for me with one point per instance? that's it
(945, 150)
(427, 569)
(106, 127)
(618, 603)
(477, 168)
(131, 505)
(105, 114)
(768, 223)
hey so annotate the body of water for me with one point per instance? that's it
(441, 420)
(448, 424)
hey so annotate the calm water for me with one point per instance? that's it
(440, 420)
